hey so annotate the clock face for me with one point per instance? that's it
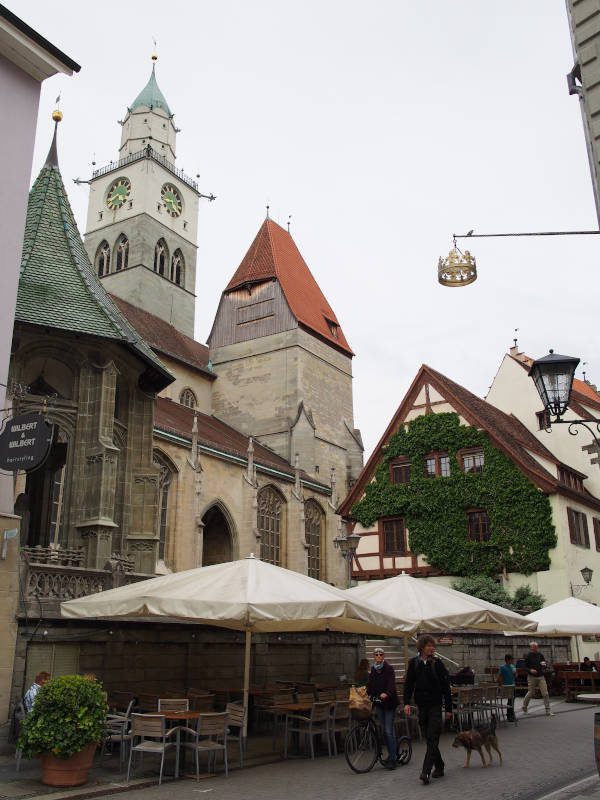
(118, 193)
(171, 199)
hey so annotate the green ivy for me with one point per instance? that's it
(434, 509)
(68, 714)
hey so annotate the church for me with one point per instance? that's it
(169, 454)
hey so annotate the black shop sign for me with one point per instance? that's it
(25, 442)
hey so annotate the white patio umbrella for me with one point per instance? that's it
(246, 595)
(570, 616)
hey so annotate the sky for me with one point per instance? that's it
(382, 128)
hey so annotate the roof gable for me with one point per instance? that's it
(273, 255)
(58, 287)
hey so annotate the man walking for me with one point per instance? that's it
(536, 663)
(381, 688)
(429, 679)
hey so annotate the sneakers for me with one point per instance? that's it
(549, 713)
(438, 773)
(424, 777)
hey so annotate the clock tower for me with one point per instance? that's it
(143, 216)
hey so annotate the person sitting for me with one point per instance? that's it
(361, 676)
(31, 693)
(587, 665)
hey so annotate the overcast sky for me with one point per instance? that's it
(382, 128)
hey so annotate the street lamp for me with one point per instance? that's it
(586, 574)
(347, 545)
(553, 377)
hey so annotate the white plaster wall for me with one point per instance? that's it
(142, 127)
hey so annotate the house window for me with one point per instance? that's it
(473, 461)
(437, 465)
(269, 524)
(313, 529)
(543, 419)
(177, 267)
(596, 522)
(160, 257)
(570, 479)
(479, 526)
(122, 253)
(103, 259)
(333, 328)
(394, 536)
(578, 528)
(400, 471)
(188, 398)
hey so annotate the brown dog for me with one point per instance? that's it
(477, 740)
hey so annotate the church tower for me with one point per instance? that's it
(283, 364)
(143, 216)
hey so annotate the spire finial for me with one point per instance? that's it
(289, 222)
(52, 157)
(268, 212)
(154, 56)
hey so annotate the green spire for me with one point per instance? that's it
(58, 287)
(151, 96)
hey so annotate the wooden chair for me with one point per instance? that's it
(326, 695)
(317, 724)
(305, 697)
(340, 721)
(147, 702)
(173, 704)
(209, 737)
(152, 733)
(204, 702)
(237, 715)
(342, 693)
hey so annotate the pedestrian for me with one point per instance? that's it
(506, 677)
(535, 664)
(381, 688)
(428, 678)
(361, 676)
(31, 693)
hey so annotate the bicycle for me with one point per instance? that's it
(363, 747)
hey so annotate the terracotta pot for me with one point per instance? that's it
(72, 771)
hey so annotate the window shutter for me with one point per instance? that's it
(572, 525)
(597, 532)
(586, 535)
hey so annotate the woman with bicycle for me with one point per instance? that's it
(381, 688)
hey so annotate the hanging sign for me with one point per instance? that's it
(25, 442)
(445, 640)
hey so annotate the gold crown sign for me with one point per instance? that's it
(458, 269)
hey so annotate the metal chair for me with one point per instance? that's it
(204, 702)
(173, 704)
(324, 695)
(342, 693)
(318, 724)
(117, 731)
(237, 714)
(340, 721)
(306, 697)
(152, 733)
(209, 737)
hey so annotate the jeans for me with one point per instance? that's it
(430, 722)
(386, 719)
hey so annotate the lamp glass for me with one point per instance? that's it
(553, 377)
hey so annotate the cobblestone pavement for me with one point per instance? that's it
(544, 758)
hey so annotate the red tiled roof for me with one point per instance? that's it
(163, 337)
(506, 432)
(273, 255)
(174, 418)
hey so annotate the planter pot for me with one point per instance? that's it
(72, 771)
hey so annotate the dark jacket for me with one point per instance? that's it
(383, 681)
(534, 661)
(430, 683)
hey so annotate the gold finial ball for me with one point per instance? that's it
(154, 57)
(57, 115)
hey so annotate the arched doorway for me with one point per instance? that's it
(217, 547)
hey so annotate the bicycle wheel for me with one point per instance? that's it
(404, 750)
(361, 747)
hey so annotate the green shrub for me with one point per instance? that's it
(525, 599)
(68, 714)
(484, 588)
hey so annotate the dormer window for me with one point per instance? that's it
(570, 479)
(333, 328)
(437, 465)
(472, 460)
(188, 398)
(400, 471)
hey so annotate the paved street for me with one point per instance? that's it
(541, 755)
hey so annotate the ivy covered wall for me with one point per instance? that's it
(435, 509)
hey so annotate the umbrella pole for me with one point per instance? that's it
(246, 682)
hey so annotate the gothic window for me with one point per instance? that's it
(122, 253)
(313, 526)
(103, 259)
(177, 265)
(160, 257)
(164, 484)
(188, 398)
(270, 524)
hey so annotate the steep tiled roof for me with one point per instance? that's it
(506, 432)
(163, 337)
(151, 96)
(174, 418)
(58, 287)
(273, 255)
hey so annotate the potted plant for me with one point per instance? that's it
(64, 728)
